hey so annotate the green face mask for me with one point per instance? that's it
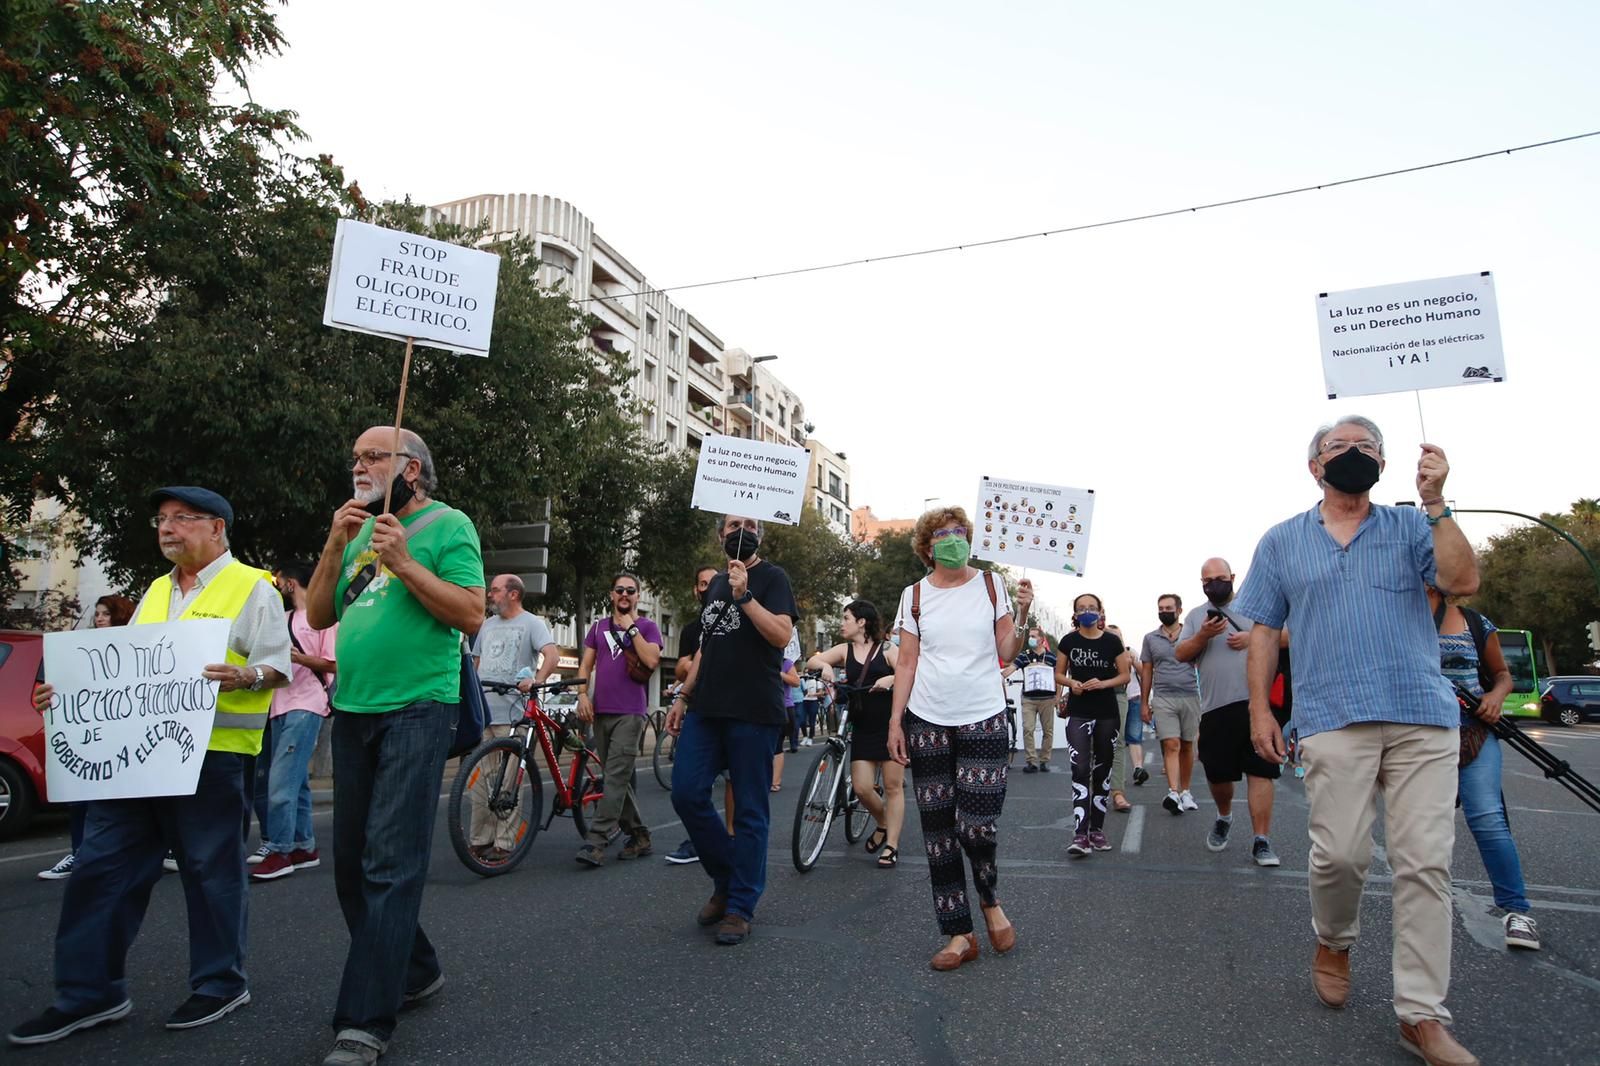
(951, 552)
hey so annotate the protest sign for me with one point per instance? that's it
(131, 715)
(1413, 335)
(1024, 523)
(752, 478)
(395, 284)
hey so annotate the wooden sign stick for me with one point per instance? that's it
(399, 412)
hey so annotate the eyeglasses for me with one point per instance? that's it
(159, 520)
(625, 590)
(953, 531)
(1366, 447)
(372, 456)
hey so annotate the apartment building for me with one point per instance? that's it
(865, 526)
(829, 485)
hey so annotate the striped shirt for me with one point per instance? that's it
(1361, 635)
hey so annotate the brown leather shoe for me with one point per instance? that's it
(1330, 976)
(1431, 1042)
(733, 930)
(1002, 939)
(712, 912)
(950, 960)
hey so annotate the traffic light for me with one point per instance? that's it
(1594, 635)
(523, 550)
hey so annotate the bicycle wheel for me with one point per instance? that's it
(494, 808)
(813, 815)
(590, 788)
(856, 818)
(661, 759)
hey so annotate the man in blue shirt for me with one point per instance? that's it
(1375, 714)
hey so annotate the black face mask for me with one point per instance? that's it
(1352, 472)
(1168, 617)
(401, 494)
(1219, 590)
(741, 544)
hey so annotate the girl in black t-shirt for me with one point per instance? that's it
(1093, 666)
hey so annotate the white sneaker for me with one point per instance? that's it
(61, 869)
(259, 856)
(170, 863)
(1186, 801)
(1521, 931)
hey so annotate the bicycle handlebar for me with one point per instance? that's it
(508, 688)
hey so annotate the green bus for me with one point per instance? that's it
(1528, 672)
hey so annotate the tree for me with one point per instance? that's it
(116, 160)
(1531, 579)
(232, 381)
(886, 567)
(820, 564)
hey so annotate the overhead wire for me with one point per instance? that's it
(1102, 224)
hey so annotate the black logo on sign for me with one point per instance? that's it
(1476, 372)
(782, 515)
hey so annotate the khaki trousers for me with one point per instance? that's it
(1413, 767)
(1041, 714)
(486, 828)
(616, 742)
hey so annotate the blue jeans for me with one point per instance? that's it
(1133, 729)
(1485, 807)
(288, 792)
(386, 773)
(808, 717)
(119, 862)
(706, 747)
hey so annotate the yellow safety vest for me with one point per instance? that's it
(241, 714)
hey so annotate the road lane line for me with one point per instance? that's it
(1135, 834)
(33, 855)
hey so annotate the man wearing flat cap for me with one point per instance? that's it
(126, 839)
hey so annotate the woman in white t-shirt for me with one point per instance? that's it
(948, 722)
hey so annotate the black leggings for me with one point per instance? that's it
(1091, 745)
(959, 779)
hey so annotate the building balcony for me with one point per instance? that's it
(742, 398)
(614, 305)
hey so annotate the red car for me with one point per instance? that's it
(22, 790)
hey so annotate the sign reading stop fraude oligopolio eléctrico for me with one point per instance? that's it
(396, 284)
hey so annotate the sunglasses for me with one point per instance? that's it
(625, 590)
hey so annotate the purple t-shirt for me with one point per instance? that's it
(614, 691)
(788, 692)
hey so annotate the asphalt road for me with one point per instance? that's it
(1157, 952)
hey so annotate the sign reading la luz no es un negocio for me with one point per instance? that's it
(751, 478)
(132, 714)
(395, 284)
(1415, 335)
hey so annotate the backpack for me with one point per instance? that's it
(1473, 732)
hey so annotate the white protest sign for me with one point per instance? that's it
(131, 715)
(751, 478)
(1024, 523)
(395, 284)
(1414, 335)
(1038, 677)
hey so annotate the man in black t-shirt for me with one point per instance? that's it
(734, 703)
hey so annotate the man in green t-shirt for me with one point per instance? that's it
(404, 586)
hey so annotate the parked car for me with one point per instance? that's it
(22, 790)
(1570, 700)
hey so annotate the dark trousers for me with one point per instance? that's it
(959, 780)
(119, 862)
(1092, 745)
(386, 773)
(707, 747)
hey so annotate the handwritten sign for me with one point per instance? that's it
(395, 284)
(1415, 335)
(751, 478)
(132, 714)
(1027, 523)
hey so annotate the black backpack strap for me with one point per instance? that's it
(1480, 637)
(369, 573)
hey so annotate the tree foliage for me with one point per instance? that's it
(673, 538)
(886, 567)
(1532, 579)
(117, 160)
(821, 568)
(233, 382)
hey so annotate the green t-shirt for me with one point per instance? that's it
(391, 651)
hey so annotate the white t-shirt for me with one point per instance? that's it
(958, 678)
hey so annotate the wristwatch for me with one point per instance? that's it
(746, 598)
(261, 679)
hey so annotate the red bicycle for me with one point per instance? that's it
(498, 793)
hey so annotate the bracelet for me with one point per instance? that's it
(1430, 503)
(1432, 521)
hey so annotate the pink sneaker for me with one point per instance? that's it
(1098, 841)
(272, 867)
(1079, 846)
(304, 860)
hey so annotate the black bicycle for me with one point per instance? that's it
(826, 794)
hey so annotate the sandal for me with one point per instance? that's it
(880, 835)
(888, 857)
(1120, 803)
(777, 788)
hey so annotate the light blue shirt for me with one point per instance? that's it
(1361, 637)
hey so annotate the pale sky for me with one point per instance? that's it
(1172, 365)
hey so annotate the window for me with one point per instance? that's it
(833, 487)
(649, 422)
(649, 324)
(649, 373)
(672, 387)
(672, 343)
(672, 432)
